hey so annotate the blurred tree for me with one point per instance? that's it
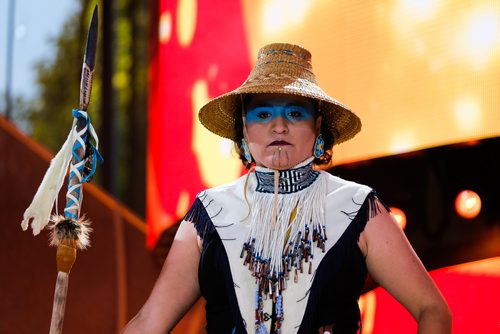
(121, 107)
(59, 82)
(21, 112)
(136, 107)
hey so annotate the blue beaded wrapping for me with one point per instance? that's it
(81, 169)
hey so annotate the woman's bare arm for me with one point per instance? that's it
(175, 290)
(392, 262)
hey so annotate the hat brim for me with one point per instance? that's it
(221, 114)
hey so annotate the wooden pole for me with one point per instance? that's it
(66, 256)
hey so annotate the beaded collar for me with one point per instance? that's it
(290, 180)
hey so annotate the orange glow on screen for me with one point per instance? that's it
(419, 73)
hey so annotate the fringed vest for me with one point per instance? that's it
(291, 273)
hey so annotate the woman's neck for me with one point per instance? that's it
(290, 181)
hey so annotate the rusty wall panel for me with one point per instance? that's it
(95, 303)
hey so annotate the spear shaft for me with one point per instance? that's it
(70, 232)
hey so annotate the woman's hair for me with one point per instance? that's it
(326, 134)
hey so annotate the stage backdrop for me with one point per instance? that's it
(418, 73)
(471, 290)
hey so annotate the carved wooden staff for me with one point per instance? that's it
(69, 232)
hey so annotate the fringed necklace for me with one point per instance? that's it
(287, 220)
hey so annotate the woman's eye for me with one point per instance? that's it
(295, 114)
(264, 115)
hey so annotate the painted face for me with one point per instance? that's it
(268, 113)
(280, 129)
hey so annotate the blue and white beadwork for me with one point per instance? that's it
(290, 180)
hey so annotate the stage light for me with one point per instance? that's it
(278, 15)
(468, 204)
(187, 12)
(165, 27)
(478, 41)
(467, 114)
(400, 217)
(403, 142)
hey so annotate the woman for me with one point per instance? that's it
(286, 248)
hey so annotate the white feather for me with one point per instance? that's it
(40, 209)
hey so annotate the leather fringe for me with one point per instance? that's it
(198, 216)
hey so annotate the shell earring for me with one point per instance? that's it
(319, 146)
(246, 151)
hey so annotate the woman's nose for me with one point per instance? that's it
(280, 125)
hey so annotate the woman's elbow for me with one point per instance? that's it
(436, 316)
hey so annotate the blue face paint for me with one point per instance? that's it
(266, 113)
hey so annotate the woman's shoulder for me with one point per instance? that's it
(337, 185)
(225, 189)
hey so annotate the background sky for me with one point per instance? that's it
(36, 24)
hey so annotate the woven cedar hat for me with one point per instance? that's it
(286, 69)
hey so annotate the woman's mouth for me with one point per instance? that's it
(279, 143)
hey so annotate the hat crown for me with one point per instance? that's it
(282, 60)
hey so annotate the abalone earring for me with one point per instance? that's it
(246, 151)
(319, 146)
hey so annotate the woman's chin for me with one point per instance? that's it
(279, 164)
(278, 167)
